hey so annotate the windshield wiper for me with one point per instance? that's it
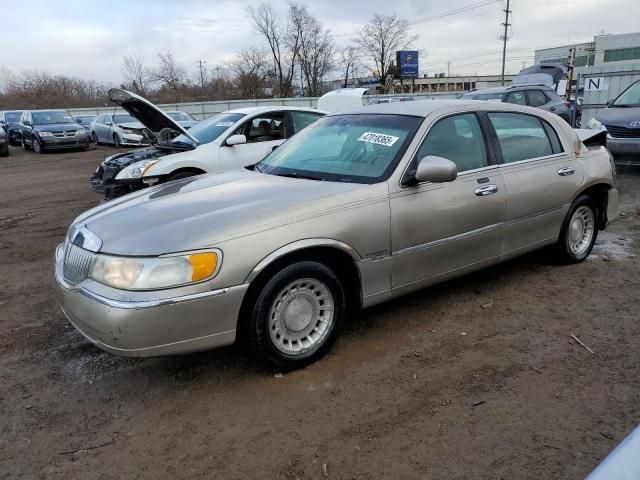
(297, 175)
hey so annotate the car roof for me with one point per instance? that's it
(270, 108)
(422, 108)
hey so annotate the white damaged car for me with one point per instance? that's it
(226, 141)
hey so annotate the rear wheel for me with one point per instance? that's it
(4, 150)
(579, 231)
(296, 315)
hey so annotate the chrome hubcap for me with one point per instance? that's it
(581, 229)
(301, 316)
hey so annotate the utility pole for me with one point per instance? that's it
(448, 69)
(571, 67)
(504, 37)
(200, 62)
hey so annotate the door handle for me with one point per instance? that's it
(486, 190)
(553, 109)
(565, 171)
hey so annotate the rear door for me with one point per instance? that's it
(540, 176)
(444, 229)
(263, 132)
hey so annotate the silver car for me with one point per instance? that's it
(356, 209)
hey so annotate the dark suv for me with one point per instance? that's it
(539, 96)
(10, 120)
(51, 130)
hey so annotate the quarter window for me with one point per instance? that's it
(517, 98)
(537, 98)
(457, 138)
(521, 136)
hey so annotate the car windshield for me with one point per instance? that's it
(123, 118)
(210, 129)
(344, 148)
(181, 116)
(85, 119)
(495, 96)
(12, 116)
(630, 97)
(52, 117)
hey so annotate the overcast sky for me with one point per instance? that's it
(88, 39)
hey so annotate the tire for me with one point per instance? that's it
(116, 141)
(4, 150)
(94, 138)
(24, 145)
(579, 231)
(287, 325)
(183, 174)
(36, 146)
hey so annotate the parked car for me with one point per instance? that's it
(4, 142)
(183, 119)
(42, 130)
(538, 96)
(85, 122)
(358, 208)
(225, 141)
(10, 120)
(120, 130)
(621, 120)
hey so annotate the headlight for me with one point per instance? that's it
(45, 134)
(595, 124)
(80, 132)
(136, 170)
(147, 273)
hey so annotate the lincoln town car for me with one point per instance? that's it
(358, 208)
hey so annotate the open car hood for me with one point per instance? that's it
(146, 112)
(543, 74)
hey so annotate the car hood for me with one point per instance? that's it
(199, 212)
(547, 74)
(619, 116)
(146, 112)
(124, 159)
(136, 125)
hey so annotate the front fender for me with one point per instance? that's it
(200, 158)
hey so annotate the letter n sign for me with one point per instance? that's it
(596, 84)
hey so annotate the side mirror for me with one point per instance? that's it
(27, 123)
(610, 101)
(436, 169)
(109, 123)
(236, 140)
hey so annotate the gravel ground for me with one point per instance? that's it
(476, 378)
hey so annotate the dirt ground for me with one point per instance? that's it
(477, 378)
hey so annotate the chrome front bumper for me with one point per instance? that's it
(137, 327)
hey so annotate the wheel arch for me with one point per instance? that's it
(600, 194)
(340, 257)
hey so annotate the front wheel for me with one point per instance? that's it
(116, 140)
(296, 315)
(24, 145)
(36, 145)
(579, 231)
(4, 150)
(94, 138)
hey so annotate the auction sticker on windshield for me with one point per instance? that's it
(378, 138)
(224, 124)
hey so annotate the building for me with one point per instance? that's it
(450, 84)
(605, 50)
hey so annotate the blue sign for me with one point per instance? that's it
(408, 63)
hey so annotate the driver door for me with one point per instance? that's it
(263, 132)
(444, 229)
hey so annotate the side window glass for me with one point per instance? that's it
(457, 138)
(521, 136)
(301, 120)
(517, 98)
(556, 146)
(537, 98)
(265, 128)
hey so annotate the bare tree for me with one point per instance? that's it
(171, 73)
(316, 49)
(283, 44)
(349, 62)
(135, 73)
(250, 69)
(379, 40)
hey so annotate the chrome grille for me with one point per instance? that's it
(77, 264)
(623, 132)
(63, 134)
